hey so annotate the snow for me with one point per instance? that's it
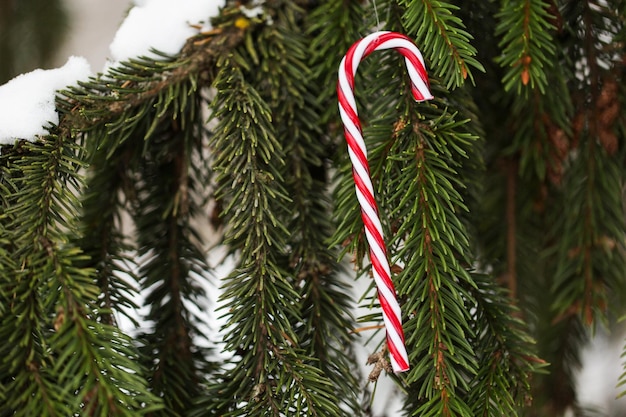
(251, 13)
(163, 25)
(254, 10)
(27, 101)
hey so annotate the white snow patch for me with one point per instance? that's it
(256, 9)
(251, 13)
(163, 25)
(597, 381)
(27, 101)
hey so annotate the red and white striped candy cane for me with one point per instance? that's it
(360, 170)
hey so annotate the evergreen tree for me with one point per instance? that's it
(501, 200)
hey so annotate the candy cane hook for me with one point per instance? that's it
(361, 173)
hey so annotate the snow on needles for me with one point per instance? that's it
(163, 25)
(27, 101)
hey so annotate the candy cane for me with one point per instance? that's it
(360, 171)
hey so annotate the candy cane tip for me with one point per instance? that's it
(419, 96)
(421, 99)
(401, 369)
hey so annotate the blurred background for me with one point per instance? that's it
(92, 25)
(44, 33)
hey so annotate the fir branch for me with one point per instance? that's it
(264, 298)
(30, 181)
(324, 298)
(126, 104)
(444, 41)
(591, 256)
(172, 262)
(333, 26)
(505, 352)
(28, 384)
(548, 131)
(133, 85)
(435, 282)
(143, 124)
(101, 237)
(89, 361)
(541, 128)
(261, 297)
(7, 265)
(527, 43)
